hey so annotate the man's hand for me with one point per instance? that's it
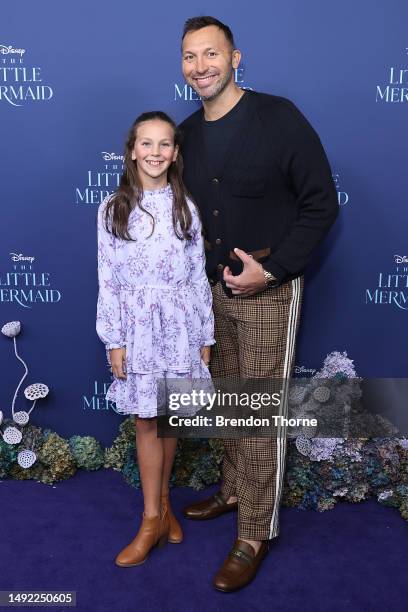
(118, 359)
(250, 281)
(205, 354)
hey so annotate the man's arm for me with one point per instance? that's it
(304, 163)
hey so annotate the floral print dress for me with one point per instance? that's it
(154, 299)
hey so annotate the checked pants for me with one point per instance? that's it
(255, 339)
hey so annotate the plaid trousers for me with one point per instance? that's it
(255, 338)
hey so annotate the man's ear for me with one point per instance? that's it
(236, 58)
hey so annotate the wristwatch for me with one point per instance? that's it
(270, 280)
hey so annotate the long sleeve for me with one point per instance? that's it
(307, 169)
(196, 261)
(108, 320)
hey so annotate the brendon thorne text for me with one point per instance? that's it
(250, 421)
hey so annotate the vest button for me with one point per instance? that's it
(216, 213)
(218, 241)
(220, 267)
(215, 181)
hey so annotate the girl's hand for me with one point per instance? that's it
(118, 359)
(205, 354)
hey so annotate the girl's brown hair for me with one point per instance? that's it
(130, 191)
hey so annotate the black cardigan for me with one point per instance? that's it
(275, 196)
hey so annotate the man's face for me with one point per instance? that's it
(208, 61)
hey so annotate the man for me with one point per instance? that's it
(260, 176)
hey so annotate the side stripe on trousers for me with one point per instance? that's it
(283, 409)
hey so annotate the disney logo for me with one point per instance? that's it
(10, 50)
(401, 259)
(112, 157)
(303, 370)
(20, 257)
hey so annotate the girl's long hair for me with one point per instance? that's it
(130, 191)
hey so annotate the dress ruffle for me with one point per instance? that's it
(147, 395)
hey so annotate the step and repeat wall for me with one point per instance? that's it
(73, 76)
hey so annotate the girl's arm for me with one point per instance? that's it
(196, 257)
(108, 320)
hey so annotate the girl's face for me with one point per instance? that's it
(153, 152)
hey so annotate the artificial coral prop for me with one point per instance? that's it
(13, 435)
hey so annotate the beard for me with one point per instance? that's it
(219, 88)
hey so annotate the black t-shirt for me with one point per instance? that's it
(217, 134)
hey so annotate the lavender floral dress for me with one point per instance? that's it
(155, 300)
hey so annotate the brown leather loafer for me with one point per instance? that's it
(240, 567)
(209, 508)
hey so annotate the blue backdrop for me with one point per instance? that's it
(73, 76)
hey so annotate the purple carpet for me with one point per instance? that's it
(66, 537)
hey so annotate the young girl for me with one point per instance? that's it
(154, 310)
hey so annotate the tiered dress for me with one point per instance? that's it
(155, 300)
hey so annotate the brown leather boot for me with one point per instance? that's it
(154, 531)
(175, 533)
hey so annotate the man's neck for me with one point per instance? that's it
(223, 103)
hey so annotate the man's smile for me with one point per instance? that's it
(203, 81)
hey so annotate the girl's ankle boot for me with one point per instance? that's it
(175, 533)
(154, 531)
